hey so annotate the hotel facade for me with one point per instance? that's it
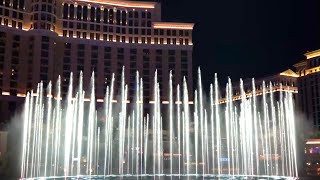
(42, 39)
(309, 87)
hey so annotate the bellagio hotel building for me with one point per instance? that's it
(42, 39)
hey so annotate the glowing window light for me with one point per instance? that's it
(167, 25)
(100, 100)
(21, 95)
(6, 93)
(314, 141)
(123, 3)
(312, 54)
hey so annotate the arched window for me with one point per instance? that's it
(21, 4)
(65, 11)
(79, 12)
(105, 15)
(92, 14)
(85, 13)
(118, 17)
(7, 3)
(15, 4)
(71, 11)
(124, 17)
(98, 15)
(111, 16)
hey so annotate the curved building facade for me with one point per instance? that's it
(42, 39)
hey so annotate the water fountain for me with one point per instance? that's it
(64, 138)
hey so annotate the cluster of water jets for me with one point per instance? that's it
(69, 137)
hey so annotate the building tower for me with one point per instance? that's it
(308, 85)
(42, 39)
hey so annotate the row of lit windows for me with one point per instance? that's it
(314, 63)
(133, 51)
(122, 30)
(118, 38)
(2, 54)
(120, 58)
(14, 14)
(43, 25)
(45, 42)
(43, 17)
(44, 1)
(14, 24)
(16, 4)
(96, 14)
(44, 8)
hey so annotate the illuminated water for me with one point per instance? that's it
(69, 137)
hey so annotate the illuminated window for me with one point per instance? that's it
(79, 12)
(21, 4)
(65, 11)
(92, 14)
(124, 17)
(71, 11)
(7, 3)
(105, 16)
(161, 40)
(14, 24)
(20, 25)
(111, 16)
(85, 13)
(118, 17)
(98, 15)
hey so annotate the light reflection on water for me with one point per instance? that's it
(165, 177)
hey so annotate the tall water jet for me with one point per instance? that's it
(227, 138)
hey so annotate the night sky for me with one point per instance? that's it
(247, 38)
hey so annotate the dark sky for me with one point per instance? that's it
(247, 38)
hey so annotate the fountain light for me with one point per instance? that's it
(241, 138)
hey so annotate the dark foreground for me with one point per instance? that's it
(192, 177)
(165, 177)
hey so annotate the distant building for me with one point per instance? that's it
(41, 39)
(308, 85)
(312, 157)
(284, 81)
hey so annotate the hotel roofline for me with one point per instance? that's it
(312, 54)
(132, 4)
(173, 25)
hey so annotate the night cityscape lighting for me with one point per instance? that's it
(109, 89)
